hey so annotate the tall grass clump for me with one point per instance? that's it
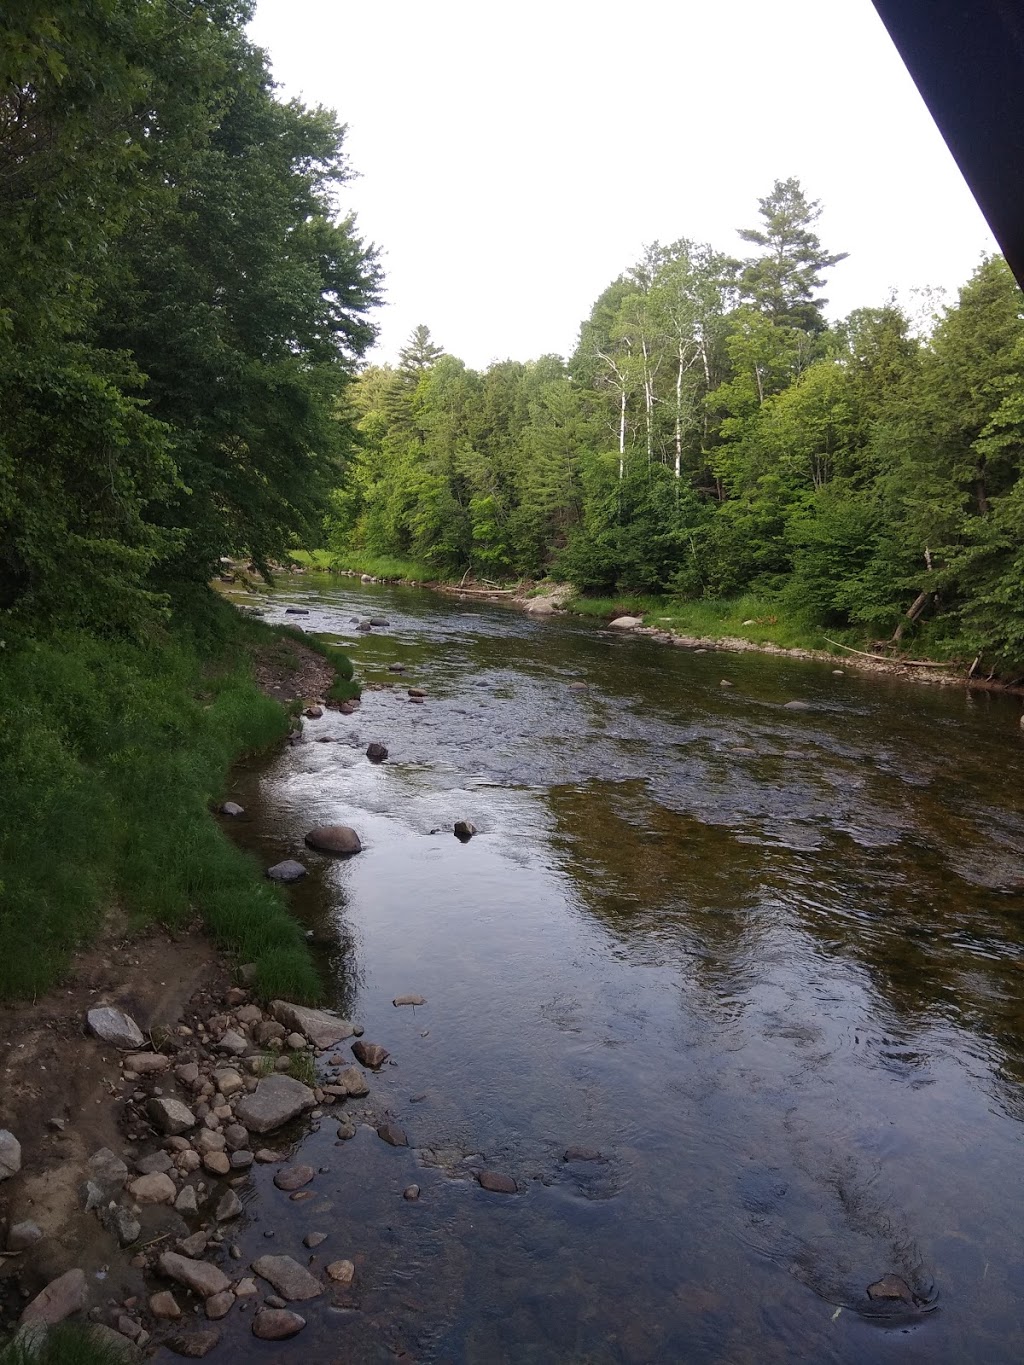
(65, 1344)
(111, 752)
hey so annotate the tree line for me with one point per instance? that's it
(713, 434)
(182, 305)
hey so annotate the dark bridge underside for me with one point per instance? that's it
(967, 60)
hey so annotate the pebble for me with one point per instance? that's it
(346, 1131)
(217, 1163)
(219, 1305)
(230, 1206)
(341, 1272)
(411, 1192)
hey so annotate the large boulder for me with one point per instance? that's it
(316, 1026)
(275, 1100)
(10, 1154)
(115, 1027)
(334, 839)
(59, 1300)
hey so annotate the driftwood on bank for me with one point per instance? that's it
(885, 659)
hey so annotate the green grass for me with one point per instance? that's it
(759, 619)
(67, 1344)
(385, 566)
(314, 559)
(302, 1067)
(111, 753)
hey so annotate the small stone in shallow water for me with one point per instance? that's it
(370, 1054)
(233, 809)
(408, 1000)
(497, 1183)
(230, 1206)
(219, 1305)
(340, 839)
(346, 1131)
(164, 1306)
(582, 1154)
(287, 871)
(290, 1279)
(393, 1135)
(277, 1324)
(411, 1192)
(464, 829)
(376, 753)
(293, 1177)
(341, 1272)
(313, 1239)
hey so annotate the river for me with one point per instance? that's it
(766, 961)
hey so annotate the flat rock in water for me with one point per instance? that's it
(396, 668)
(317, 1026)
(115, 1027)
(796, 706)
(409, 1000)
(275, 1100)
(291, 1280)
(10, 1154)
(393, 1135)
(170, 1116)
(313, 1239)
(194, 1345)
(287, 871)
(370, 1054)
(201, 1277)
(419, 692)
(277, 1324)
(497, 1183)
(62, 1297)
(294, 1177)
(339, 839)
(891, 1287)
(296, 611)
(626, 622)
(582, 1154)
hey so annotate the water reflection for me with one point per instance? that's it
(766, 961)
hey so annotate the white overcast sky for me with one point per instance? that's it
(514, 158)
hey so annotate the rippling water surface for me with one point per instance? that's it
(767, 961)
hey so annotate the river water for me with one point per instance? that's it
(766, 961)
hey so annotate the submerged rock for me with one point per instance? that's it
(891, 1288)
(194, 1345)
(496, 1182)
(392, 1135)
(375, 752)
(287, 871)
(294, 1177)
(408, 1000)
(277, 1324)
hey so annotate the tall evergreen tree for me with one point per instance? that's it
(783, 280)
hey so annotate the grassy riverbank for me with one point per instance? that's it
(377, 566)
(762, 621)
(113, 752)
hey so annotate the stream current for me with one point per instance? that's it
(767, 962)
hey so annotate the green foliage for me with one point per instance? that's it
(172, 364)
(66, 1344)
(112, 752)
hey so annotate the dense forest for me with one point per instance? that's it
(712, 435)
(183, 301)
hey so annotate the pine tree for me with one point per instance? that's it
(781, 282)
